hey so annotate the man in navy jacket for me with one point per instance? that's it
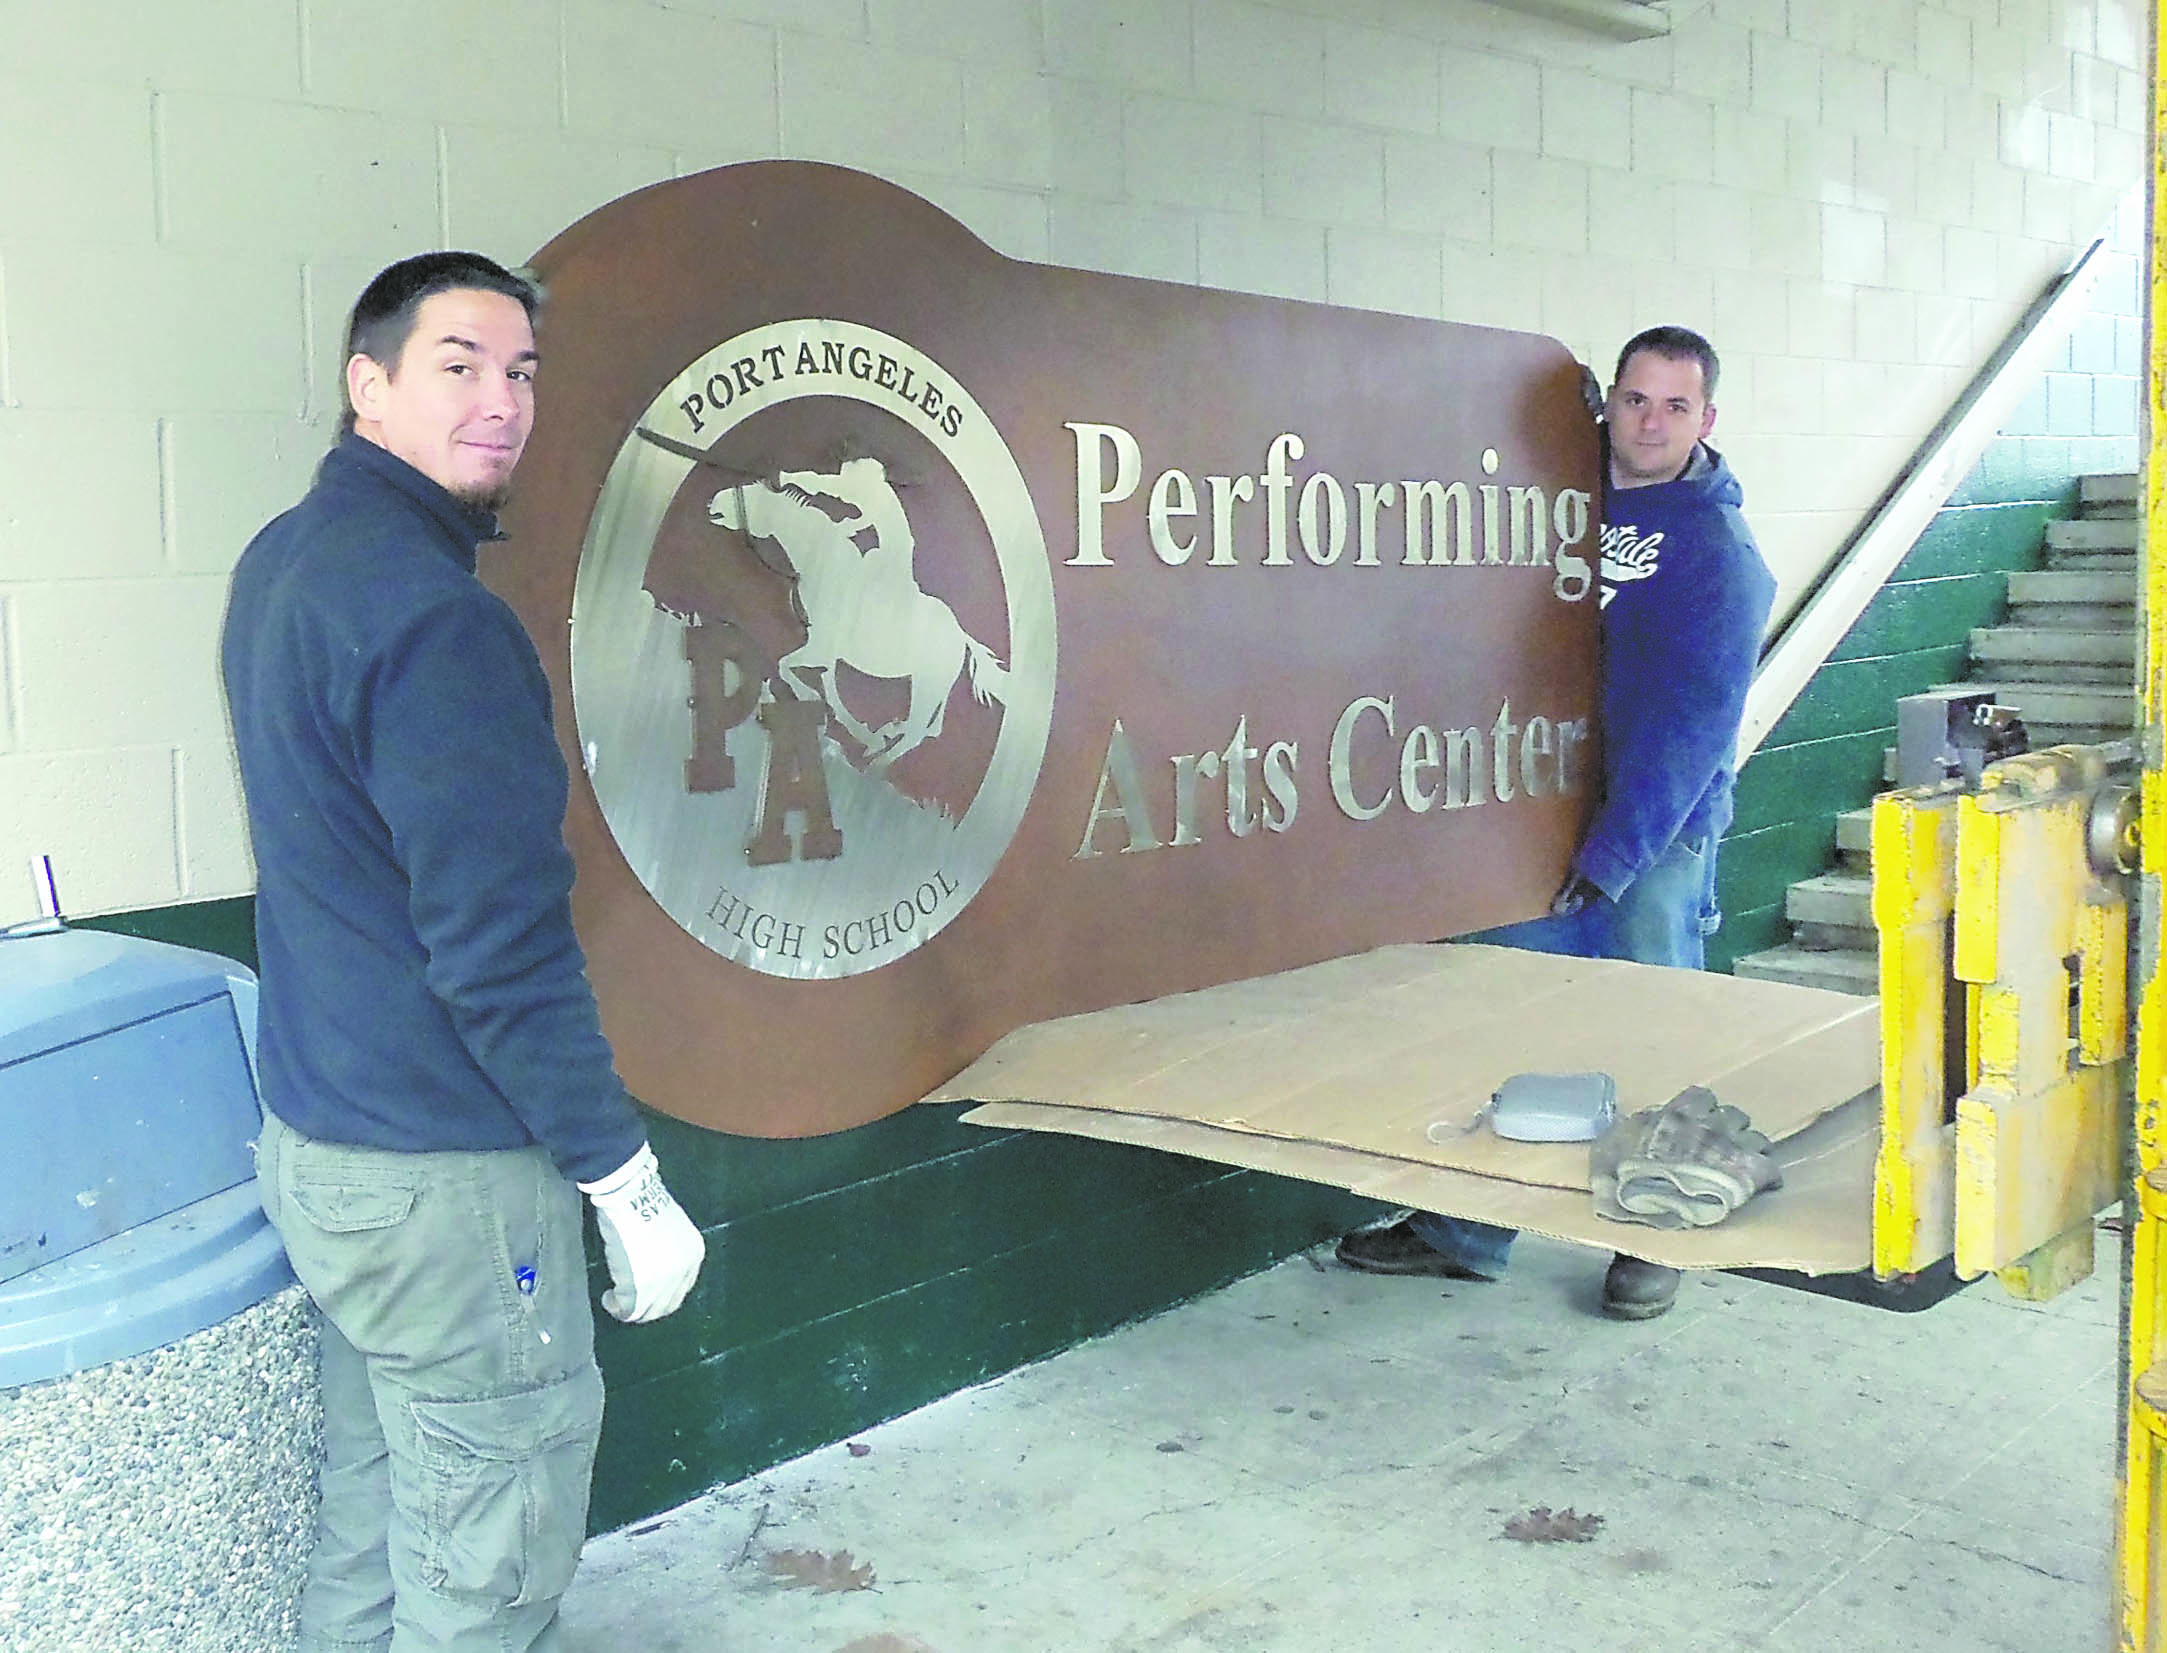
(438, 1093)
(1685, 599)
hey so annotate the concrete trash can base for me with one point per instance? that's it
(165, 1503)
(160, 1418)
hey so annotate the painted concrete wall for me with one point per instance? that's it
(1854, 197)
(1826, 754)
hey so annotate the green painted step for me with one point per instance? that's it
(2087, 589)
(2065, 646)
(1843, 971)
(2064, 673)
(1838, 899)
(2074, 616)
(2093, 534)
(2066, 661)
(2075, 599)
(2052, 654)
(2120, 563)
(2107, 491)
(1832, 912)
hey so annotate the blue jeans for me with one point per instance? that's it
(1666, 917)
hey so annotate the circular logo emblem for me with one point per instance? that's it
(813, 648)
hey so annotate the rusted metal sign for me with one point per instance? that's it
(949, 643)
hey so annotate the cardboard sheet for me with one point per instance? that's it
(1337, 1072)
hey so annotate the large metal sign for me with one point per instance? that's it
(948, 642)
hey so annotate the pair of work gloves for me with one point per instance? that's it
(1687, 1164)
(653, 1249)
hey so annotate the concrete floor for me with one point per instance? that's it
(1314, 1460)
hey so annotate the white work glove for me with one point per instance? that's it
(653, 1250)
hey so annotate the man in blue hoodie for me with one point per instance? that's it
(1685, 599)
(437, 1090)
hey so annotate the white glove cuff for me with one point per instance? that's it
(619, 1181)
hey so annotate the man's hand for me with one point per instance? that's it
(652, 1248)
(1576, 893)
(1591, 391)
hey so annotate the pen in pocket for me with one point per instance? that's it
(523, 1278)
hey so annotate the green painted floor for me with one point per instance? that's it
(1312, 1461)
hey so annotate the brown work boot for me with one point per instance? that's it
(1637, 1290)
(1395, 1248)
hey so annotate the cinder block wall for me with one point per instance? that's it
(1826, 755)
(1854, 197)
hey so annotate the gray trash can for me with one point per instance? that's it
(159, 1423)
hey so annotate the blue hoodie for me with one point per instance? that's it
(1685, 599)
(422, 985)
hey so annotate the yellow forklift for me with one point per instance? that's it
(2142, 1171)
(2142, 1528)
(2013, 1108)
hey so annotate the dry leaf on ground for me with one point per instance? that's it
(1541, 1525)
(818, 1570)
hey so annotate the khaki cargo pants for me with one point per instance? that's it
(461, 1398)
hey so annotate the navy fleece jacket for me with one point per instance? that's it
(422, 987)
(1685, 599)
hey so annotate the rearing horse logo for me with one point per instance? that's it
(780, 824)
(850, 540)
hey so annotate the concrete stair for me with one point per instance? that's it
(2065, 657)
(2107, 494)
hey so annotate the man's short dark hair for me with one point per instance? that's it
(1678, 344)
(383, 316)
